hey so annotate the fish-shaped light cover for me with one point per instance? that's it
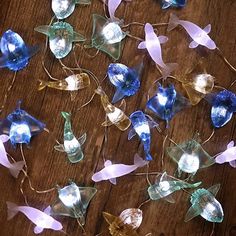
(199, 36)
(204, 204)
(39, 218)
(125, 224)
(141, 126)
(115, 115)
(20, 126)
(71, 145)
(73, 201)
(64, 8)
(14, 168)
(61, 36)
(125, 79)
(223, 106)
(172, 3)
(112, 171)
(190, 157)
(167, 102)
(229, 155)
(15, 53)
(153, 45)
(165, 185)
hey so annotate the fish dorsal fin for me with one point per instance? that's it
(113, 181)
(193, 44)
(59, 148)
(107, 163)
(38, 230)
(162, 39)
(131, 134)
(142, 45)
(118, 96)
(82, 139)
(122, 105)
(214, 189)
(169, 199)
(207, 29)
(230, 145)
(192, 212)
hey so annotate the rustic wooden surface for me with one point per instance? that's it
(48, 167)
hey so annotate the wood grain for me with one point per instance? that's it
(48, 167)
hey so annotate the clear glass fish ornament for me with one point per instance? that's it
(190, 157)
(64, 8)
(115, 115)
(173, 3)
(73, 201)
(15, 53)
(61, 37)
(205, 204)
(21, 126)
(71, 146)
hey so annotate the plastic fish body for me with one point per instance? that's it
(141, 126)
(72, 145)
(200, 36)
(115, 115)
(61, 36)
(165, 185)
(125, 79)
(21, 126)
(15, 53)
(39, 218)
(64, 8)
(172, 3)
(229, 155)
(112, 171)
(167, 102)
(204, 204)
(71, 83)
(153, 45)
(190, 157)
(73, 201)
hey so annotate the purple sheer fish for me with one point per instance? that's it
(112, 171)
(14, 168)
(41, 219)
(200, 36)
(229, 155)
(112, 7)
(153, 45)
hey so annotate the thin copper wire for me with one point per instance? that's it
(81, 226)
(147, 175)
(143, 203)
(134, 37)
(209, 138)
(105, 142)
(86, 53)
(163, 150)
(213, 229)
(142, 24)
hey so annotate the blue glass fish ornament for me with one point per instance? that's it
(165, 185)
(205, 204)
(15, 53)
(64, 8)
(20, 126)
(167, 102)
(125, 79)
(61, 36)
(190, 157)
(223, 107)
(172, 3)
(73, 201)
(72, 145)
(141, 126)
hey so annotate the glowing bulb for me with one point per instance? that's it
(164, 185)
(189, 163)
(162, 99)
(112, 33)
(203, 83)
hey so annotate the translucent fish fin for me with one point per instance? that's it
(3, 62)
(66, 115)
(107, 163)
(207, 29)
(152, 124)
(42, 85)
(109, 218)
(194, 96)
(35, 125)
(38, 230)
(233, 163)
(169, 199)
(87, 193)
(192, 212)
(107, 123)
(193, 44)
(59, 148)
(166, 5)
(142, 45)
(173, 22)
(180, 103)
(77, 37)
(73, 95)
(170, 67)
(163, 39)
(44, 29)
(11, 210)
(175, 152)
(33, 50)
(58, 208)
(16, 168)
(122, 105)
(4, 138)
(82, 139)
(131, 134)
(214, 189)
(113, 181)
(83, 2)
(117, 96)
(230, 145)
(205, 159)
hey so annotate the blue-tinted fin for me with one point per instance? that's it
(117, 96)
(148, 157)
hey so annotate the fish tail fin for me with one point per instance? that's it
(138, 161)
(168, 69)
(195, 185)
(173, 22)
(66, 115)
(11, 210)
(42, 85)
(16, 168)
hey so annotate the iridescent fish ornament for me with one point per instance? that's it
(172, 3)
(73, 201)
(165, 185)
(72, 145)
(39, 218)
(229, 155)
(21, 126)
(190, 157)
(112, 171)
(167, 102)
(141, 126)
(15, 53)
(61, 37)
(205, 204)
(125, 79)
(200, 36)
(115, 115)
(64, 8)
(153, 45)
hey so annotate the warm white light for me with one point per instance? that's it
(162, 99)
(112, 33)
(164, 185)
(189, 163)
(71, 145)
(72, 82)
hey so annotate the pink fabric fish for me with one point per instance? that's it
(41, 219)
(153, 45)
(111, 172)
(229, 155)
(199, 36)
(14, 168)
